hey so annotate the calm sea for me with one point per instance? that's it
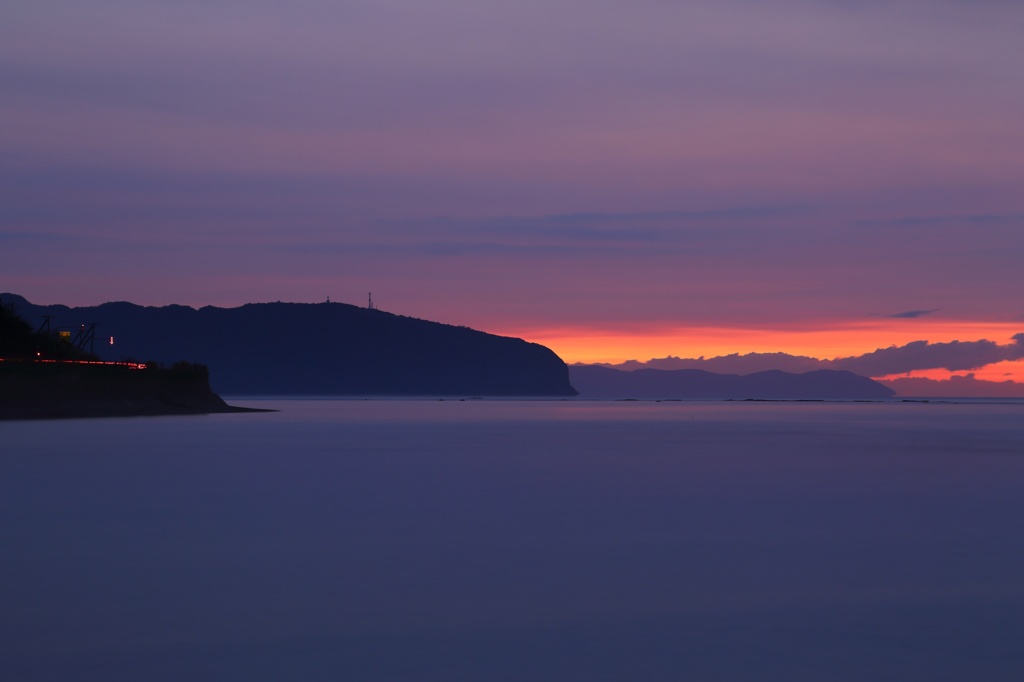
(490, 541)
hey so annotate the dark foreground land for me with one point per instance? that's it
(58, 390)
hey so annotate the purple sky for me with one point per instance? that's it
(596, 167)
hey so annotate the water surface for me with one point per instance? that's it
(486, 540)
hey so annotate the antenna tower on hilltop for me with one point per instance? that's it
(369, 301)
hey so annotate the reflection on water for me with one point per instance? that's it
(482, 540)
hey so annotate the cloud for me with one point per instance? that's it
(32, 237)
(592, 218)
(732, 364)
(918, 355)
(965, 386)
(914, 313)
(428, 249)
(953, 356)
(718, 228)
(933, 220)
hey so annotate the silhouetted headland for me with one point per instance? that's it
(318, 349)
(594, 381)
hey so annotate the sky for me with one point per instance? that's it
(616, 180)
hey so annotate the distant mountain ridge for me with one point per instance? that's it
(317, 349)
(594, 381)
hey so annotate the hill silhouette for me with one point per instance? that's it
(317, 349)
(593, 381)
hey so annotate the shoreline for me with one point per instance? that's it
(105, 409)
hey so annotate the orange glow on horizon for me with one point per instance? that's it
(591, 345)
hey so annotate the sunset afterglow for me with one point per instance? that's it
(596, 345)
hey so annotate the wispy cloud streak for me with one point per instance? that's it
(911, 314)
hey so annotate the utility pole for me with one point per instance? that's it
(87, 335)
